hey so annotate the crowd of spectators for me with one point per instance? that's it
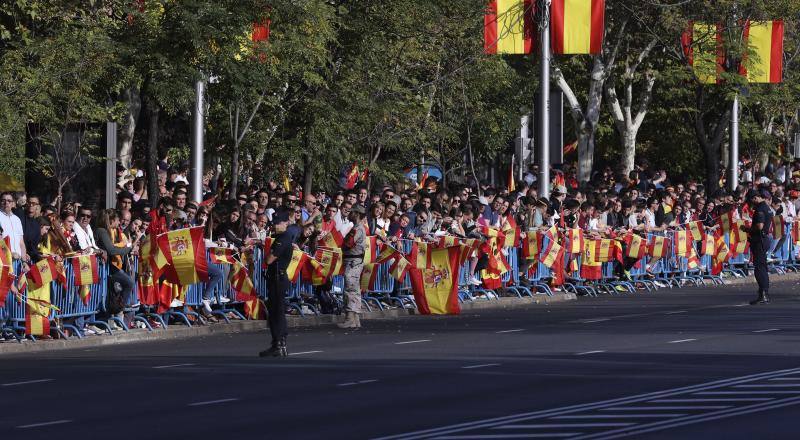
(645, 200)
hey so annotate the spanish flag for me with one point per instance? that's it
(530, 245)
(447, 241)
(603, 250)
(45, 272)
(511, 231)
(708, 245)
(658, 248)
(551, 253)
(399, 268)
(185, 253)
(37, 317)
(702, 46)
(725, 221)
(296, 265)
(6, 280)
(240, 281)
(369, 273)
(738, 238)
(591, 268)
(84, 268)
(420, 255)
(436, 288)
(508, 27)
(332, 239)
(636, 246)
(764, 62)
(696, 230)
(574, 241)
(577, 26)
(5, 251)
(721, 254)
(795, 234)
(370, 249)
(220, 255)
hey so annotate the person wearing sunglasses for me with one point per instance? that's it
(83, 230)
(12, 227)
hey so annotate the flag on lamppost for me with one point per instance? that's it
(577, 26)
(508, 27)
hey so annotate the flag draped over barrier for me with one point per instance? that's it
(86, 273)
(184, 252)
(436, 288)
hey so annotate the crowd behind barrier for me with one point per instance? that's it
(617, 234)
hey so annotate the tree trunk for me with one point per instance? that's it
(134, 106)
(234, 186)
(628, 150)
(153, 192)
(308, 173)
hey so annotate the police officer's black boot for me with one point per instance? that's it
(762, 298)
(272, 351)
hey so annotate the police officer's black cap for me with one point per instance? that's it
(752, 194)
(280, 217)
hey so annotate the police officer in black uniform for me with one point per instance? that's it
(759, 242)
(278, 284)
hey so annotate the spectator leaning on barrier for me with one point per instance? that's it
(111, 239)
(12, 228)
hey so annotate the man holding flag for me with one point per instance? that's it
(280, 255)
(353, 250)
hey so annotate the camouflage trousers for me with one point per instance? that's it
(352, 284)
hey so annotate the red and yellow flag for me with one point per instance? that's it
(682, 244)
(84, 268)
(185, 252)
(764, 62)
(636, 246)
(6, 281)
(530, 245)
(604, 250)
(591, 268)
(369, 273)
(512, 232)
(725, 221)
(420, 255)
(220, 255)
(577, 26)
(550, 254)
(370, 249)
(508, 27)
(708, 245)
(696, 230)
(738, 238)
(721, 254)
(44, 272)
(5, 251)
(777, 227)
(658, 248)
(574, 241)
(447, 241)
(240, 280)
(399, 268)
(332, 239)
(436, 288)
(296, 265)
(796, 232)
(703, 48)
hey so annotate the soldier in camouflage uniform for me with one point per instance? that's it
(353, 252)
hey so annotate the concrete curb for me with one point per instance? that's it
(176, 331)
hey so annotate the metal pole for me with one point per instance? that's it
(733, 168)
(196, 179)
(111, 165)
(544, 107)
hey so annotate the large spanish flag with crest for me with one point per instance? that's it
(436, 288)
(84, 268)
(764, 63)
(185, 253)
(577, 26)
(508, 27)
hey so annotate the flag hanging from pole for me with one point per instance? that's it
(577, 26)
(764, 60)
(508, 27)
(702, 46)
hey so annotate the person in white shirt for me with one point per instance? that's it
(83, 230)
(12, 228)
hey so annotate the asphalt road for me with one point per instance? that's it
(690, 363)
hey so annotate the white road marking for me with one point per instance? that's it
(360, 382)
(676, 312)
(618, 416)
(672, 408)
(729, 399)
(741, 305)
(769, 385)
(731, 393)
(511, 331)
(412, 342)
(26, 382)
(681, 341)
(36, 425)
(565, 425)
(786, 378)
(305, 352)
(174, 366)
(590, 352)
(591, 321)
(212, 402)
(501, 436)
(469, 367)
(766, 330)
